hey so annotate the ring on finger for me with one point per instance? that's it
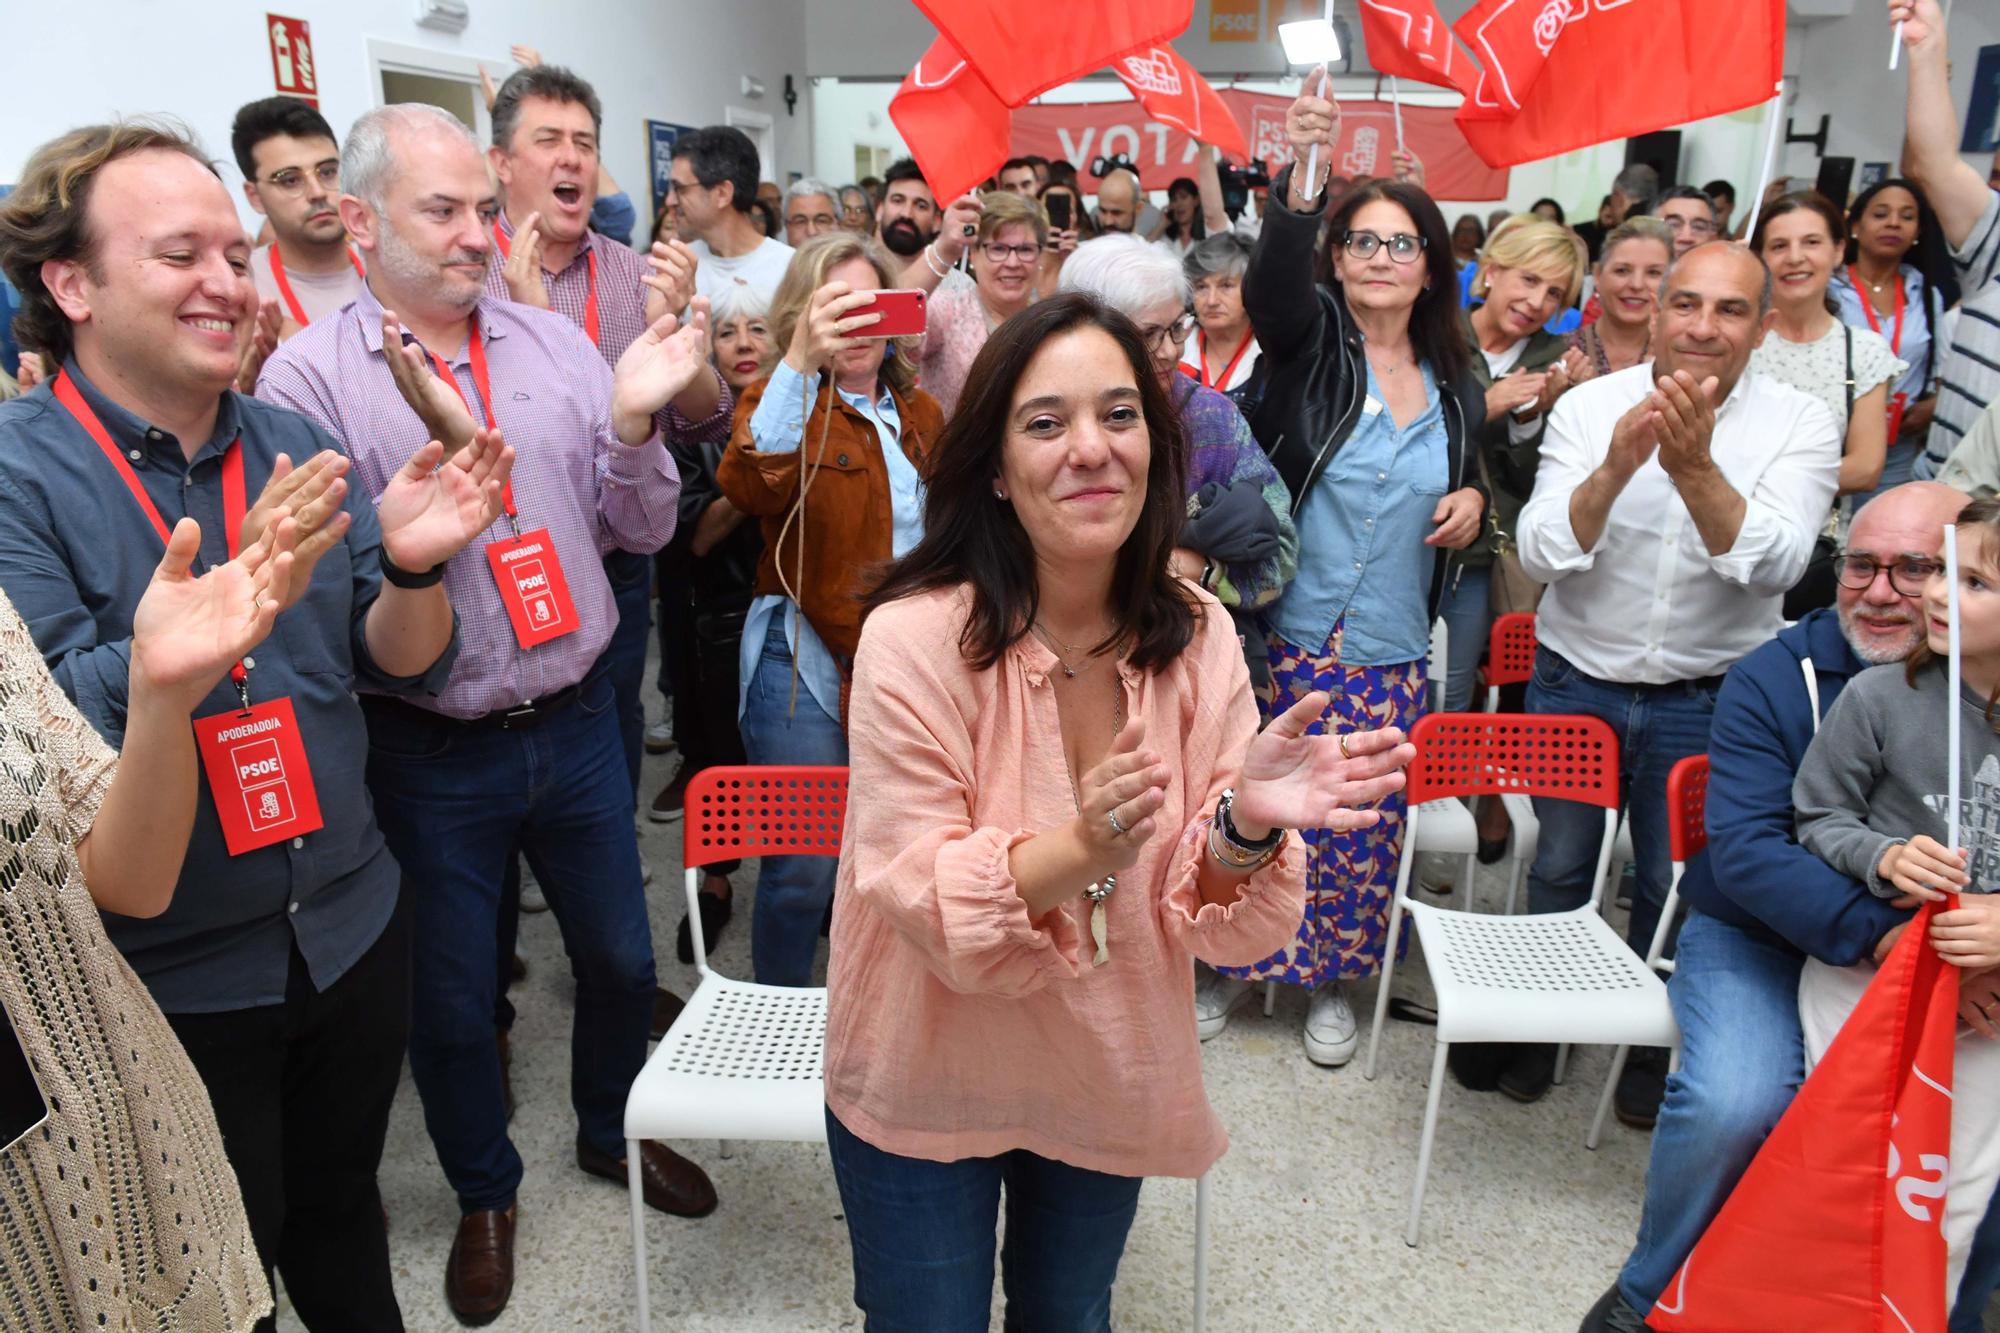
(1116, 823)
(1343, 747)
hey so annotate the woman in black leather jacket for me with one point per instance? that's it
(1366, 415)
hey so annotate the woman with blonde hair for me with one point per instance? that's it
(828, 453)
(1006, 261)
(1630, 269)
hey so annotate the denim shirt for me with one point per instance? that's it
(76, 554)
(1361, 534)
(777, 427)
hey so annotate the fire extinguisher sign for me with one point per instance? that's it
(292, 57)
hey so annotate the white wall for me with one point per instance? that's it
(677, 60)
(1844, 72)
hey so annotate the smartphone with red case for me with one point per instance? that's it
(902, 314)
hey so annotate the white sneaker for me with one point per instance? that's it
(659, 737)
(1331, 1033)
(1215, 998)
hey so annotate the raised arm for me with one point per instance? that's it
(1930, 144)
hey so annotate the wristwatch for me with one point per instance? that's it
(1231, 848)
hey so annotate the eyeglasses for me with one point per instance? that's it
(1907, 574)
(1403, 247)
(1175, 333)
(291, 182)
(997, 253)
(824, 221)
(1696, 226)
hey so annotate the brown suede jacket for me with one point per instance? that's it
(846, 526)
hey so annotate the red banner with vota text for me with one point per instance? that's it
(1084, 131)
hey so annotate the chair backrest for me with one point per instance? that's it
(751, 810)
(1510, 653)
(1572, 758)
(1687, 808)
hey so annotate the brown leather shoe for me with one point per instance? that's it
(670, 1182)
(667, 1007)
(479, 1275)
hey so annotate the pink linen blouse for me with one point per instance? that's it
(958, 1026)
(955, 329)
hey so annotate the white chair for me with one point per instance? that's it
(745, 1061)
(1563, 977)
(1510, 660)
(742, 1061)
(1687, 834)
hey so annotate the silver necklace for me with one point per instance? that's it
(1063, 651)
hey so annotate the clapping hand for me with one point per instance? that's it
(1683, 415)
(660, 363)
(311, 498)
(265, 330)
(523, 269)
(431, 513)
(446, 415)
(1510, 393)
(1131, 785)
(1293, 780)
(670, 283)
(188, 630)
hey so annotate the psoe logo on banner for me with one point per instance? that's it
(1268, 143)
(1153, 72)
(1232, 20)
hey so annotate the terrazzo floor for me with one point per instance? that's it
(1523, 1227)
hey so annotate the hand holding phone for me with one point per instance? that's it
(1058, 206)
(901, 311)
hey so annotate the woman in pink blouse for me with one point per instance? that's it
(1006, 264)
(1041, 835)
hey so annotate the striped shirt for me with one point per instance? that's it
(1969, 374)
(572, 475)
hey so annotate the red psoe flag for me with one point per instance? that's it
(1558, 74)
(955, 125)
(1838, 1223)
(1174, 94)
(1022, 50)
(1409, 39)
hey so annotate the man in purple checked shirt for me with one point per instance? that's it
(521, 748)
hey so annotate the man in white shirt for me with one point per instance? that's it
(715, 181)
(1675, 504)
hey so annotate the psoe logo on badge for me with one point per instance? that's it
(1154, 72)
(260, 773)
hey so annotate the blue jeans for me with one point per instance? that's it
(1656, 728)
(1736, 998)
(1982, 1274)
(625, 656)
(1468, 618)
(792, 891)
(455, 803)
(922, 1235)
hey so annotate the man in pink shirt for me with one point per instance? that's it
(520, 749)
(291, 174)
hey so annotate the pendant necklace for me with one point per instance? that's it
(1103, 888)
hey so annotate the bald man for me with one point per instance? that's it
(1122, 205)
(1758, 903)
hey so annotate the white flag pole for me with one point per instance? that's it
(1896, 45)
(1769, 164)
(1952, 677)
(1396, 101)
(1312, 154)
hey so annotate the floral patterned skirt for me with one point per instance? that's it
(1350, 877)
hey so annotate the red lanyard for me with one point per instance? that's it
(1868, 307)
(506, 247)
(234, 498)
(476, 353)
(285, 283)
(1227, 370)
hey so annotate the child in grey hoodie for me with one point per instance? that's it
(1871, 800)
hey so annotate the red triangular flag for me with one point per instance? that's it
(956, 127)
(1838, 1223)
(1558, 75)
(1024, 50)
(1173, 93)
(1409, 39)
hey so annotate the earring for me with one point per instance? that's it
(999, 494)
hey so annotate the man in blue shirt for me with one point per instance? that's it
(283, 967)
